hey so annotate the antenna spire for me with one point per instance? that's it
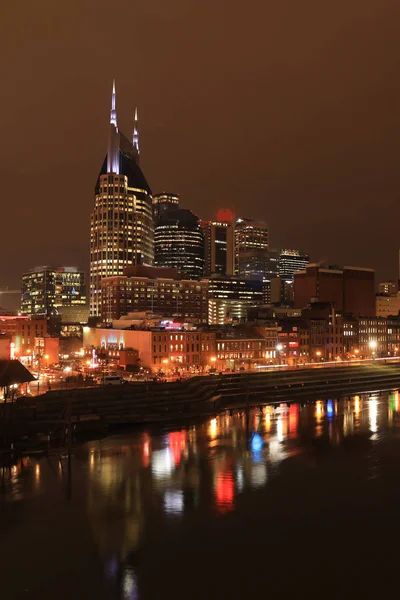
(113, 137)
(135, 137)
(113, 113)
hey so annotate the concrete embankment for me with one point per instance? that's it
(101, 408)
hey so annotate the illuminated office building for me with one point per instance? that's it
(122, 227)
(230, 298)
(54, 291)
(179, 242)
(250, 236)
(163, 202)
(219, 247)
(291, 261)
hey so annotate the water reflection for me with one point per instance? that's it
(130, 589)
(173, 502)
(134, 486)
(373, 414)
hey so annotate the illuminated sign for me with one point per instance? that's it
(170, 325)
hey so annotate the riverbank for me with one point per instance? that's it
(96, 411)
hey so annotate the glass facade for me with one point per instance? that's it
(163, 202)
(219, 247)
(291, 261)
(179, 243)
(48, 290)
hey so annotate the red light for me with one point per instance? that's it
(293, 417)
(225, 215)
(225, 491)
(177, 442)
(146, 451)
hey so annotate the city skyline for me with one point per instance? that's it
(288, 127)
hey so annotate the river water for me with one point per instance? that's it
(296, 501)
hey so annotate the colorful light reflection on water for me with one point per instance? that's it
(140, 484)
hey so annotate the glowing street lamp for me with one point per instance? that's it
(279, 349)
(373, 346)
(165, 361)
(213, 359)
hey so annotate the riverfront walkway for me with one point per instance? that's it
(96, 410)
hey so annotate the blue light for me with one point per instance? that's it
(329, 408)
(256, 443)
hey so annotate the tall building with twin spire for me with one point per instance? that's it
(122, 228)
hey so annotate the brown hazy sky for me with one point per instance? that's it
(286, 110)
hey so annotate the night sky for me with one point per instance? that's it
(286, 111)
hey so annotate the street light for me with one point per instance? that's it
(213, 359)
(318, 354)
(279, 349)
(165, 362)
(373, 346)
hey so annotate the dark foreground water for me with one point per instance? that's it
(295, 502)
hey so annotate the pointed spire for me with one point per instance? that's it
(113, 113)
(113, 137)
(135, 137)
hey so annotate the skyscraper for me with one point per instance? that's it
(291, 261)
(122, 227)
(164, 201)
(258, 264)
(179, 242)
(249, 236)
(219, 247)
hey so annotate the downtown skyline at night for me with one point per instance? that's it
(304, 139)
(199, 299)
